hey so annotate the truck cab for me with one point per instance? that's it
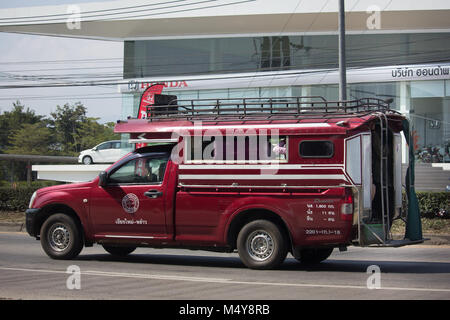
(269, 181)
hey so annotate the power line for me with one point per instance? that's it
(93, 11)
(117, 79)
(61, 61)
(93, 83)
(66, 99)
(282, 30)
(413, 115)
(435, 53)
(157, 57)
(72, 97)
(87, 14)
(104, 79)
(64, 69)
(311, 24)
(100, 17)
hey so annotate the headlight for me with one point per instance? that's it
(32, 200)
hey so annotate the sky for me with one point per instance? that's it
(32, 55)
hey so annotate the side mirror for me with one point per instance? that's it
(103, 179)
(94, 149)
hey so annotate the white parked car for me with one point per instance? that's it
(105, 152)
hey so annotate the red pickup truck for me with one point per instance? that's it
(264, 184)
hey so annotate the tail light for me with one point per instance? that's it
(347, 206)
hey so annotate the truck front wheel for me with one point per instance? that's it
(261, 245)
(61, 237)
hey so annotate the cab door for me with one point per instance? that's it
(132, 203)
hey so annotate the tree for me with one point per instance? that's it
(67, 132)
(34, 138)
(14, 120)
(92, 133)
(11, 123)
(76, 132)
(67, 121)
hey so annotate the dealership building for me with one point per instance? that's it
(262, 48)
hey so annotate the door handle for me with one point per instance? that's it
(153, 194)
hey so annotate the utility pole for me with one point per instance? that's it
(342, 63)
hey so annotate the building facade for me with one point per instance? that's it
(410, 68)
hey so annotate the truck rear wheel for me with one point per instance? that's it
(261, 245)
(119, 251)
(61, 237)
(314, 255)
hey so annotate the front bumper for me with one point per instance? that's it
(31, 217)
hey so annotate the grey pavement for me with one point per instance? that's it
(414, 272)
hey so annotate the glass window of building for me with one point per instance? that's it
(149, 58)
(430, 116)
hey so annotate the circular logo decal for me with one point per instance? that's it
(130, 203)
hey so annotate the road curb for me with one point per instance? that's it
(12, 227)
(437, 239)
(434, 239)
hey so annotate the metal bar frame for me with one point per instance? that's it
(279, 108)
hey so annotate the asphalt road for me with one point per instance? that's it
(415, 272)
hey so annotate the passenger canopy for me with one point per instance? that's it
(288, 145)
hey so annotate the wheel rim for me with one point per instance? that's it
(260, 245)
(87, 160)
(59, 237)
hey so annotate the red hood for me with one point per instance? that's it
(66, 187)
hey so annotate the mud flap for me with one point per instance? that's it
(413, 230)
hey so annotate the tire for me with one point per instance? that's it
(119, 251)
(261, 245)
(313, 256)
(61, 237)
(87, 160)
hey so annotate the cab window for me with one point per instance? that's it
(140, 171)
(316, 149)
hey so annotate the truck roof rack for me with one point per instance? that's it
(279, 108)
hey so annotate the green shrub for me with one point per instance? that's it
(15, 199)
(17, 196)
(34, 184)
(431, 203)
